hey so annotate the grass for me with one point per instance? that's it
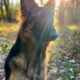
(73, 27)
(6, 28)
(59, 67)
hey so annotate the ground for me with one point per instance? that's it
(60, 67)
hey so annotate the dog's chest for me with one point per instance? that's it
(18, 62)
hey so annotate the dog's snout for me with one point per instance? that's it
(53, 36)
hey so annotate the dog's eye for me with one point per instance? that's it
(41, 3)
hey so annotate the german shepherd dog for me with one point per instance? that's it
(26, 59)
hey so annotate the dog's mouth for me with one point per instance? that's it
(41, 3)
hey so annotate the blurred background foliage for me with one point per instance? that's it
(8, 9)
(64, 60)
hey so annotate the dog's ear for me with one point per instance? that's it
(26, 6)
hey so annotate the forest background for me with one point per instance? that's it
(64, 60)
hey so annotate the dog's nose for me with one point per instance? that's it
(53, 34)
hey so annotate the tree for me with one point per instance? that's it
(7, 8)
(1, 8)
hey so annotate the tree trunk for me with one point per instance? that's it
(1, 9)
(8, 14)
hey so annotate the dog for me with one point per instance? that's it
(26, 59)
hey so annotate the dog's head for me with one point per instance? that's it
(38, 20)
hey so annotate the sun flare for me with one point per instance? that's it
(41, 2)
(57, 2)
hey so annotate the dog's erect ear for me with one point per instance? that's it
(28, 5)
